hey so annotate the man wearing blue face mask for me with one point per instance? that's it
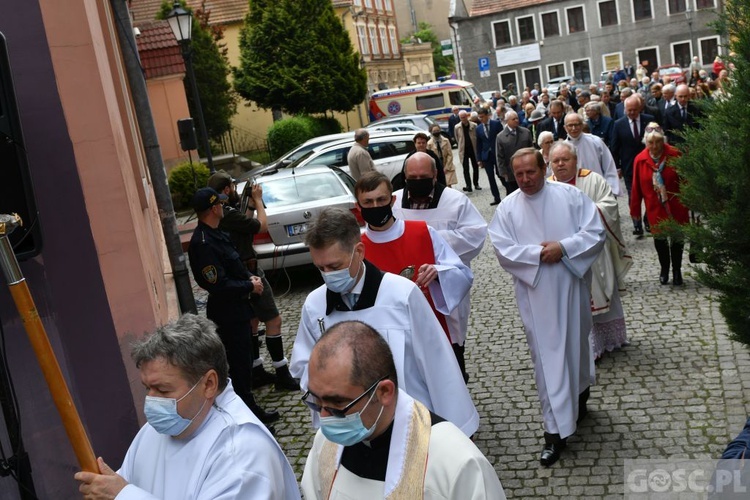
(201, 440)
(356, 289)
(376, 441)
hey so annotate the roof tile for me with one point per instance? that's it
(484, 7)
(222, 11)
(159, 51)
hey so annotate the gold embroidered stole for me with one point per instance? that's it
(411, 483)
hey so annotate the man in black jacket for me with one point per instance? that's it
(242, 228)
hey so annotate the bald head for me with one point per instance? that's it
(363, 348)
(633, 107)
(420, 166)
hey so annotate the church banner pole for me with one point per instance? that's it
(19, 290)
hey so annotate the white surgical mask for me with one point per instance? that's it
(162, 414)
(339, 281)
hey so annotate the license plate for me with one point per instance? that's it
(296, 229)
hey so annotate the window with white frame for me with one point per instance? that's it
(676, 6)
(368, 4)
(576, 19)
(501, 29)
(384, 40)
(608, 13)
(582, 70)
(388, 5)
(379, 6)
(394, 40)
(705, 4)
(507, 79)
(550, 24)
(526, 32)
(374, 40)
(681, 53)
(642, 9)
(532, 76)
(358, 3)
(612, 61)
(709, 48)
(364, 48)
(555, 70)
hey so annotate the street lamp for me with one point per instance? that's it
(181, 23)
(689, 17)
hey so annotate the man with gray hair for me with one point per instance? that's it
(599, 125)
(511, 139)
(359, 159)
(200, 439)
(355, 289)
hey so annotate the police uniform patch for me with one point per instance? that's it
(210, 274)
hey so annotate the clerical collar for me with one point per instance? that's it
(370, 284)
(437, 192)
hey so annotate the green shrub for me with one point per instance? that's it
(183, 182)
(289, 133)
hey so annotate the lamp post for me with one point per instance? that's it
(689, 17)
(181, 23)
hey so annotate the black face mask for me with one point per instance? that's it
(377, 216)
(436, 134)
(419, 188)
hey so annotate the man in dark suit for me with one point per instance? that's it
(511, 139)
(666, 102)
(599, 125)
(555, 122)
(453, 120)
(487, 131)
(627, 141)
(620, 108)
(679, 116)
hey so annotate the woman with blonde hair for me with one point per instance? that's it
(656, 182)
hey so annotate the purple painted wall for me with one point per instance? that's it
(65, 282)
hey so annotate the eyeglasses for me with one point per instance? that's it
(339, 412)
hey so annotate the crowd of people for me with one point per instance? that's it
(380, 348)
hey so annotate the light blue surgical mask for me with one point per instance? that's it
(340, 281)
(350, 429)
(162, 414)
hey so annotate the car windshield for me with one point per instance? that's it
(297, 189)
(299, 160)
(671, 71)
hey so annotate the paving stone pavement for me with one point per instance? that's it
(681, 389)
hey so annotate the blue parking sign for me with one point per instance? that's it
(484, 67)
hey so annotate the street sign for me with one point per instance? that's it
(484, 67)
(447, 47)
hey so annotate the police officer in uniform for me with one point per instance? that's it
(218, 269)
(241, 228)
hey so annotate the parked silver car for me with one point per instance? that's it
(388, 152)
(293, 198)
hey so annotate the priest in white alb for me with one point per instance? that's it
(592, 151)
(608, 271)
(456, 219)
(547, 235)
(355, 289)
(375, 441)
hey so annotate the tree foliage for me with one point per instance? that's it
(297, 57)
(443, 64)
(211, 67)
(715, 168)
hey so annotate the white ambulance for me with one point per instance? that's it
(435, 99)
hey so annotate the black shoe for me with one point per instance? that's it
(265, 416)
(647, 226)
(551, 453)
(638, 231)
(664, 279)
(496, 202)
(284, 380)
(468, 190)
(477, 188)
(261, 377)
(677, 278)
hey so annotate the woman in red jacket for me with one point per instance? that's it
(655, 181)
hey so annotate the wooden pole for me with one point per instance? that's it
(19, 290)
